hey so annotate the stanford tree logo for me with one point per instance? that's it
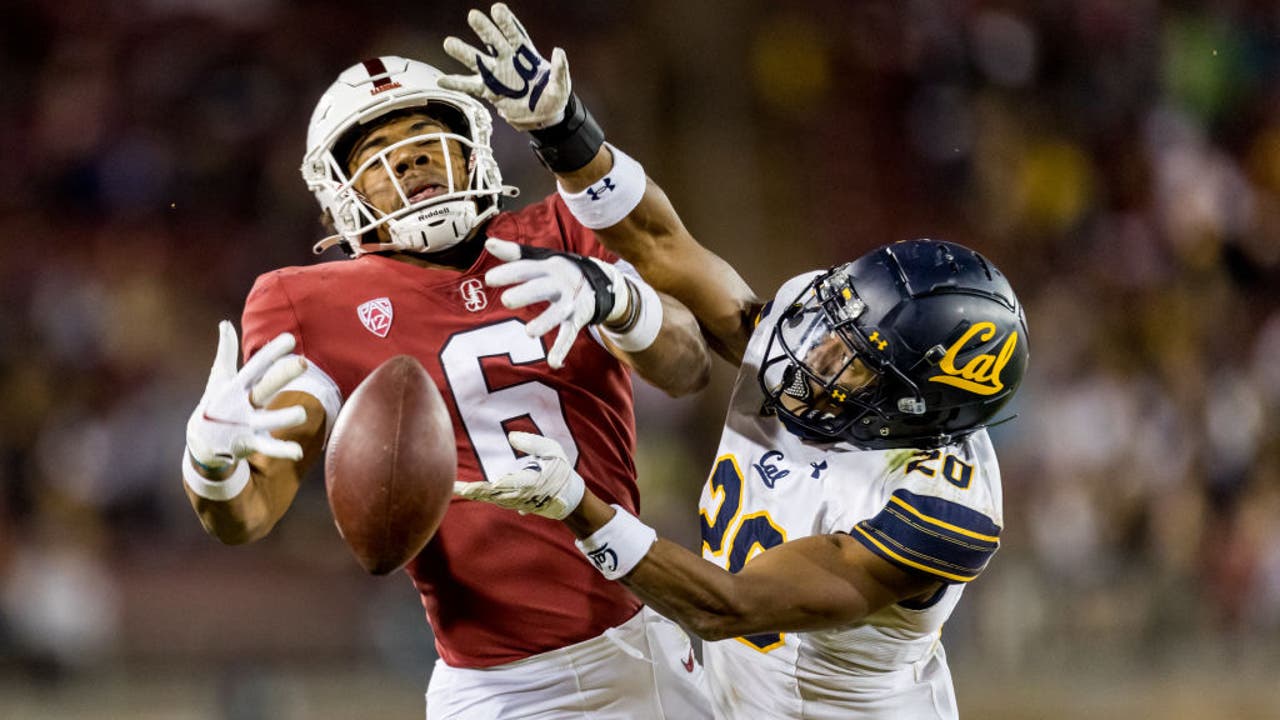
(473, 296)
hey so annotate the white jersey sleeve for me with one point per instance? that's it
(941, 512)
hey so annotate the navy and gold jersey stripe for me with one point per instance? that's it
(942, 538)
(763, 313)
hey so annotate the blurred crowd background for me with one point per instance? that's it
(1118, 159)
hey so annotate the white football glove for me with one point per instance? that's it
(582, 291)
(544, 485)
(526, 90)
(229, 423)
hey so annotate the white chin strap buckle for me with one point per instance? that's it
(434, 228)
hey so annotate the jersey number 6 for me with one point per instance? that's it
(484, 411)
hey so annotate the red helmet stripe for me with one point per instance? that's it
(375, 68)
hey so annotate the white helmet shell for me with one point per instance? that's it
(365, 92)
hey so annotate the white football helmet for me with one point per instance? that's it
(365, 92)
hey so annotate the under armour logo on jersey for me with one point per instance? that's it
(875, 338)
(473, 297)
(818, 467)
(597, 191)
(604, 558)
(770, 474)
(376, 316)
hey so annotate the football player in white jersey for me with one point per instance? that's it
(855, 490)
(854, 493)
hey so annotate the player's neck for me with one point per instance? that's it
(459, 257)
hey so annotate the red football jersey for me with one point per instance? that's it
(496, 586)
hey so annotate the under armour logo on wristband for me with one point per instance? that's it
(604, 558)
(606, 184)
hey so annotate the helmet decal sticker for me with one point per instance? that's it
(378, 73)
(981, 375)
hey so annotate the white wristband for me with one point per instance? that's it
(619, 545)
(611, 198)
(221, 490)
(645, 329)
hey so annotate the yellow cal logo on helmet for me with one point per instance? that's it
(982, 374)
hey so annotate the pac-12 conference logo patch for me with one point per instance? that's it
(376, 316)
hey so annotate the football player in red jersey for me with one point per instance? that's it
(399, 159)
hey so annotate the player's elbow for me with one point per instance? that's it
(235, 535)
(720, 625)
(722, 616)
(233, 531)
(692, 378)
(684, 358)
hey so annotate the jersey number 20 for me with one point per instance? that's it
(744, 536)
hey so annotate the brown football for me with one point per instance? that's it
(390, 465)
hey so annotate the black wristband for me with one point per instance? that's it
(571, 143)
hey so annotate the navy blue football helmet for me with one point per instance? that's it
(915, 344)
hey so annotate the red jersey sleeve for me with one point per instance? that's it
(268, 312)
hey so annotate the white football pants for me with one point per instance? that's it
(644, 668)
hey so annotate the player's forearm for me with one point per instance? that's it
(653, 239)
(233, 522)
(678, 362)
(804, 585)
(700, 596)
(246, 512)
(575, 181)
(643, 228)
(252, 513)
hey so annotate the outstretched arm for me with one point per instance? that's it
(811, 583)
(654, 239)
(606, 190)
(248, 442)
(273, 482)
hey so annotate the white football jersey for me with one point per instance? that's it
(936, 511)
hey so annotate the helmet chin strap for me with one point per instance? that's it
(428, 231)
(432, 229)
(803, 432)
